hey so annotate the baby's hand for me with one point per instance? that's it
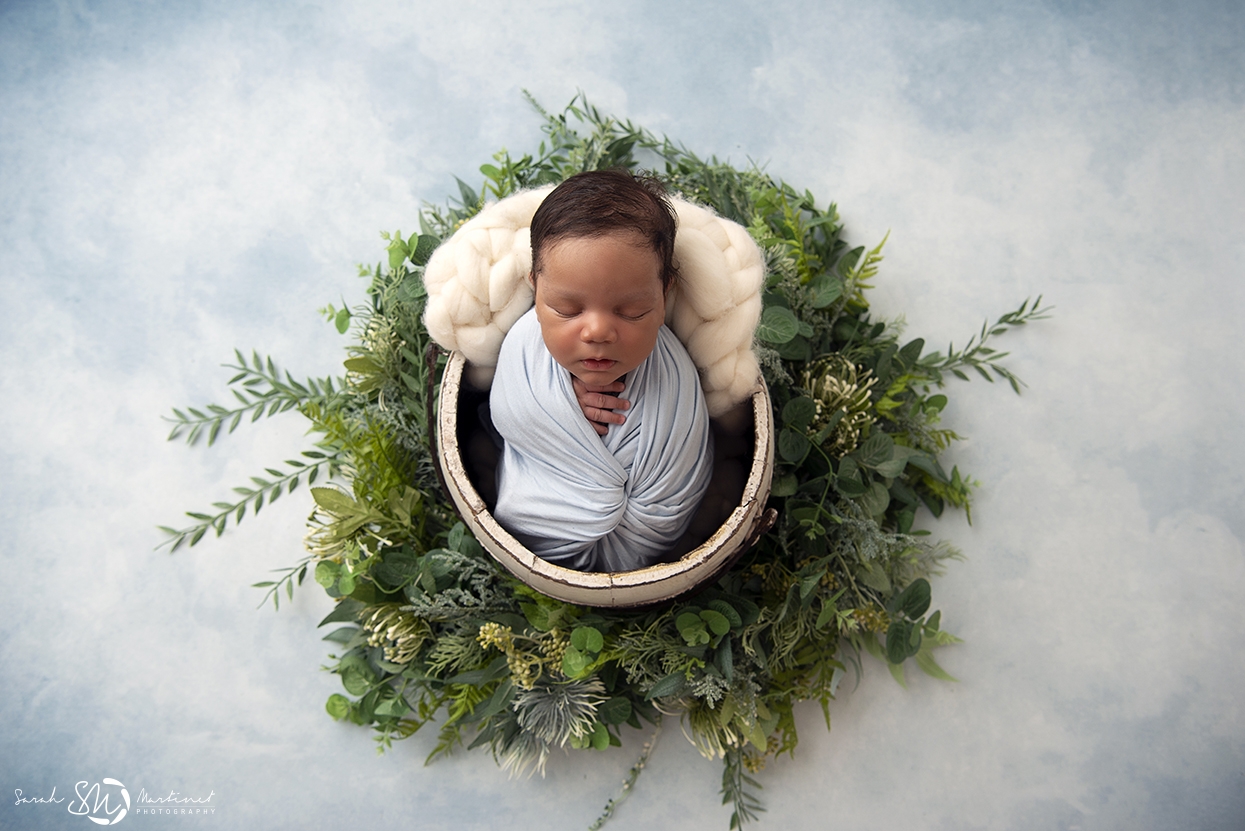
(598, 407)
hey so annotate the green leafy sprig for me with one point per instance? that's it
(327, 460)
(260, 391)
(977, 355)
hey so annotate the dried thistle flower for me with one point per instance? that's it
(834, 383)
(709, 732)
(557, 711)
(401, 633)
(526, 753)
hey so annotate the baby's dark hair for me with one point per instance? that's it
(601, 202)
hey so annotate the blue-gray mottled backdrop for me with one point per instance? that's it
(182, 178)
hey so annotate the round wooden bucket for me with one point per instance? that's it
(630, 589)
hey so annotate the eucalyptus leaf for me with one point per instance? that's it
(688, 620)
(615, 710)
(717, 622)
(793, 446)
(397, 572)
(600, 737)
(728, 611)
(875, 450)
(749, 611)
(356, 681)
(798, 349)
(785, 484)
(798, 412)
(326, 573)
(930, 465)
(397, 254)
(587, 639)
(670, 685)
(804, 513)
(875, 500)
(851, 487)
(873, 577)
(338, 706)
(897, 641)
(778, 325)
(724, 660)
(892, 468)
(825, 290)
(914, 600)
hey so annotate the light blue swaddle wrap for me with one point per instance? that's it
(598, 503)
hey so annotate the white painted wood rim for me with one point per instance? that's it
(629, 589)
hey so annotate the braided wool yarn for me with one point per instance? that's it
(477, 289)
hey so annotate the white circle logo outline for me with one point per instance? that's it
(120, 814)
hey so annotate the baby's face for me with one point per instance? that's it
(600, 305)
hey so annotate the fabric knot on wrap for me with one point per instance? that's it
(598, 503)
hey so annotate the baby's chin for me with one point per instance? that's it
(594, 380)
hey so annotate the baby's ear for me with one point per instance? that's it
(531, 280)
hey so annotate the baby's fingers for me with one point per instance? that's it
(599, 416)
(595, 398)
(604, 402)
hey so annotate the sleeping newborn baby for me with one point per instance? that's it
(607, 449)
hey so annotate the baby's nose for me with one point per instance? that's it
(597, 329)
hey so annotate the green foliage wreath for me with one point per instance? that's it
(432, 630)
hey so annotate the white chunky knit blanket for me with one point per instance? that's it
(477, 289)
